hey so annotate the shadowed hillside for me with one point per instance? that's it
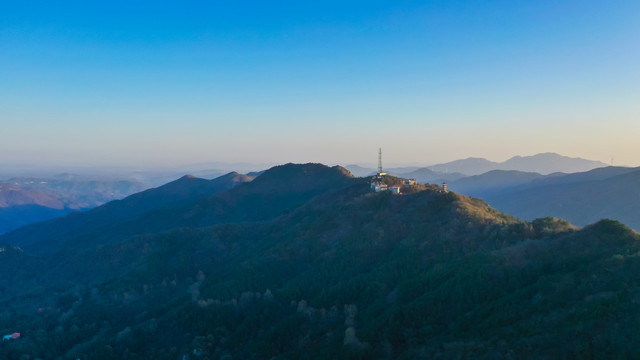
(114, 220)
(576, 199)
(329, 270)
(186, 202)
(582, 198)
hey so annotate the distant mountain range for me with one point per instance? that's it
(528, 187)
(545, 163)
(495, 181)
(30, 199)
(581, 198)
(306, 261)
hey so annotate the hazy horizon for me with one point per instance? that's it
(170, 84)
(196, 168)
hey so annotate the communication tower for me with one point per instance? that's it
(380, 173)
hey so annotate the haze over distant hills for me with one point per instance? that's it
(27, 200)
(307, 261)
(534, 190)
(117, 219)
(581, 198)
(198, 202)
(545, 163)
(151, 176)
(32, 199)
(31, 194)
(421, 174)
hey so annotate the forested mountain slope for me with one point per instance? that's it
(343, 272)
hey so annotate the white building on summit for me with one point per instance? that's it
(392, 184)
(378, 186)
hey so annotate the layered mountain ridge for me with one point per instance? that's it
(308, 261)
(582, 198)
(544, 163)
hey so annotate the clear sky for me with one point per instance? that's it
(166, 83)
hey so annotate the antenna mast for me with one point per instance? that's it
(379, 160)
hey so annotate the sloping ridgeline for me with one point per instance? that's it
(187, 201)
(341, 272)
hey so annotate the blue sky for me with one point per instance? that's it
(167, 83)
